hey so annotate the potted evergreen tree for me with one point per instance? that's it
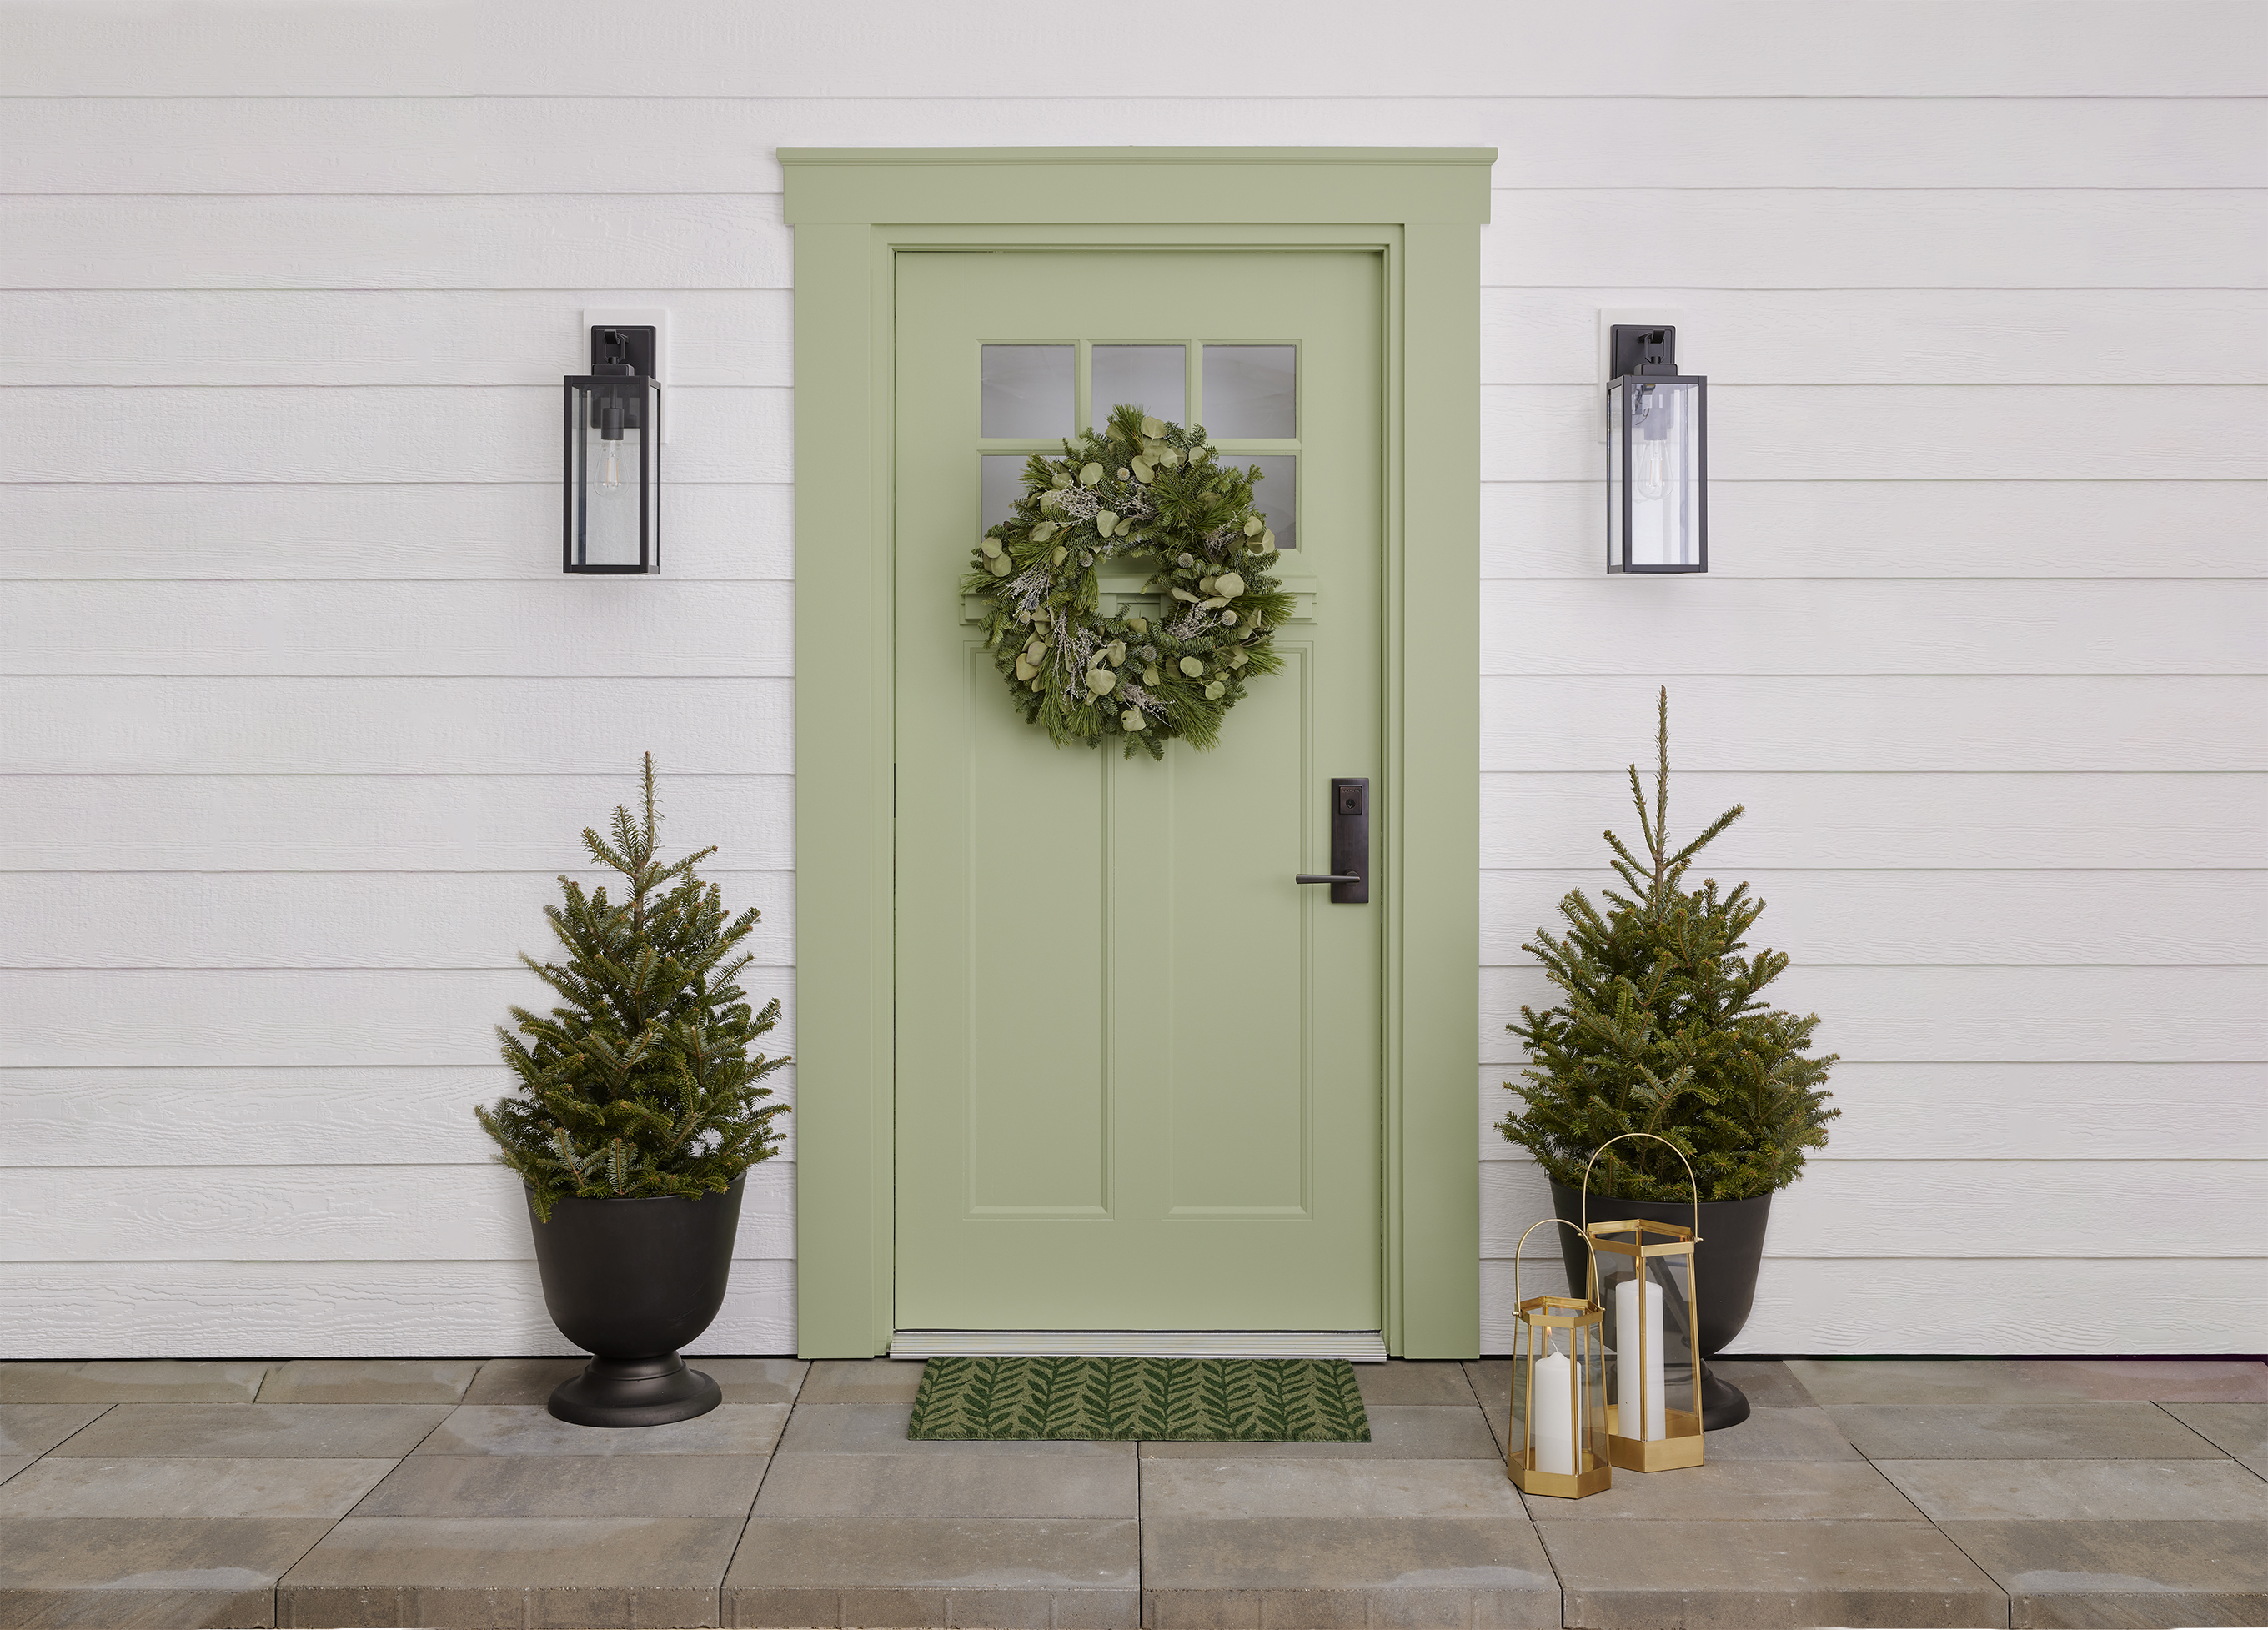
(1661, 1028)
(639, 1108)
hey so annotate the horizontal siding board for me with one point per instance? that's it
(898, 49)
(345, 1115)
(380, 532)
(300, 920)
(1912, 432)
(377, 824)
(1894, 822)
(63, 725)
(584, 628)
(2006, 1112)
(1880, 725)
(298, 1213)
(1729, 626)
(1816, 530)
(1861, 1209)
(283, 1016)
(370, 434)
(1982, 1015)
(376, 336)
(651, 241)
(332, 1310)
(726, 144)
(1928, 1306)
(1890, 918)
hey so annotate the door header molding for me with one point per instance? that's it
(854, 211)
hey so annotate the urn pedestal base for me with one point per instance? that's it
(635, 1392)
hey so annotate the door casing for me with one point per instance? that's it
(853, 210)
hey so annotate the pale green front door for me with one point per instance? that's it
(1137, 1066)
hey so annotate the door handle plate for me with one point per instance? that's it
(1349, 874)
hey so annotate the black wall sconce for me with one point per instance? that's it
(613, 474)
(1657, 455)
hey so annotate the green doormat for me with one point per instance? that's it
(1228, 1400)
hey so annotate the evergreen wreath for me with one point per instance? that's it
(1139, 487)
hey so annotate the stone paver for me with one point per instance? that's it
(1750, 1491)
(1222, 1489)
(1956, 1491)
(1777, 1434)
(1252, 1573)
(536, 1572)
(1399, 1381)
(1768, 1383)
(2114, 1431)
(31, 1429)
(534, 1380)
(530, 1429)
(62, 1486)
(861, 1381)
(2238, 1429)
(1056, 1575)
(136, 1381)
(1397, 1432)
(368, 1381)
(2144, 1574)
(1738, 1576)
(2035, 1380)
(264, 1431)
(703, 1486)
(177, 1573)
(11, 1465)
(880, 1429)
(950, 1486)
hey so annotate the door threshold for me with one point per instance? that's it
(1362, 1346)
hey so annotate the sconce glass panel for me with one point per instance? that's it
(1658, 475)
(612, 479)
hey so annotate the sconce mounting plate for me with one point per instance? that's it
(1636, 347)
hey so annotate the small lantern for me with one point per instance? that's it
(1657, 457)
(1644, 1291)
(613, 477)
(1559, 1438)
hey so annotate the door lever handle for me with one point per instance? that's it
(1309, 877)
(1349, 873)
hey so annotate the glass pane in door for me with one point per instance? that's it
(1028, 390)
(1148, 376)
(1249, 392)
(1003, 484)
(1276, 495)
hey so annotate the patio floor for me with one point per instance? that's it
(438, 1493)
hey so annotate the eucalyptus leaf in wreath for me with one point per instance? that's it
(1141, 490)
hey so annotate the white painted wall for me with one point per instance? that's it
(299, 719)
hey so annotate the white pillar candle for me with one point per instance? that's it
(1628, 1363)
(1553, 1405)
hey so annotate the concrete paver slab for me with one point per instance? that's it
(1400, 1380)
(1488, 1572)
(11, 1465)
(1768, 1383)
(1491, 1383)
(444, 1573)
(1738, 1576)
(755, 1380)
(2140, 1574)
(368, 1381)
(2057, 1431)
(1754, 1491)
(261, 1431)
(521, 1380)
(62, 1486)
(862, 1381)
(702, 1486)
(880, 1429)
(1223, 1489)
(1397, 1432)
(530, 1429)
(952, 1486)
(2238, 1429)
(1780, 1434)
(35, 1429)
(1003, 1573)
(175, 1574)
(2028, 1380)
(1954, 1491)
(132, 1381)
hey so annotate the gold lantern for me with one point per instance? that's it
(1647, 1298)
(1558, 1436)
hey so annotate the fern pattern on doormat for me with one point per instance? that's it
(1228, 1400)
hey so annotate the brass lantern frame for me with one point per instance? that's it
(1586, 1340)
(1680, 1444)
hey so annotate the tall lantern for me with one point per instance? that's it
(1644, 1289)
(612, 473)
(1559, 1438)
(1657, 457)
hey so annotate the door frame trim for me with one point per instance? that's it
(853, 210)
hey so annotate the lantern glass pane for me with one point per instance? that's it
(615, 484)
(1650, 1336)
(1656, 455)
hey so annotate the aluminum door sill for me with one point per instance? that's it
(1362, 1346)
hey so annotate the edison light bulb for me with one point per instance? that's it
(610, 467)
(1650, 444)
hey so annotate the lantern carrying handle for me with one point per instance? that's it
(1593, 1160)
(1581, 1234)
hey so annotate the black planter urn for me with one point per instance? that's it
(1724, 1270)
(633, 1281)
